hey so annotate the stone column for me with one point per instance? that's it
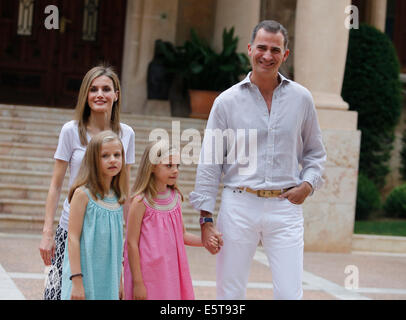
(242, 14)
(321, 41)
(377, 14)
(146, 21)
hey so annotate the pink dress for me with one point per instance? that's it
(164, 264)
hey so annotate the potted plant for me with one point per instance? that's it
(204, 72)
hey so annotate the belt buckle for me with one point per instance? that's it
(264, 193)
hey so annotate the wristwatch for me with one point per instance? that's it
(203, 220)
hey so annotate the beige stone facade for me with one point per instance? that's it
(319, 46)
(321, 38)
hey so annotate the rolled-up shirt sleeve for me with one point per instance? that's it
(314, 154)
(209, 169)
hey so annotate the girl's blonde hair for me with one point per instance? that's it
(82, 111)
(145, 183)
(90, 171)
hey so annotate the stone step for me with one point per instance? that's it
(34, 139)
(27, 149)
(135, 121)
(26, 163)
(23, 223)
(51, 139)
(64, 115)
(141, 132)
(16, 111)
(25, 206)
(24, 136)
(22, 166)
(31, 178)
(28, 192)
(38, 165)
(30, 124)
(378, 243)
(35, 150)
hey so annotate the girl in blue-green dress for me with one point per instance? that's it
(93, 255)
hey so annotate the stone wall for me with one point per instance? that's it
(329, 213)
(285, 13)
(196, 14)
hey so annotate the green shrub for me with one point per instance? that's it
(395, 204)
(368, 198)
(402, 168)
(372, 87)
(201, 67)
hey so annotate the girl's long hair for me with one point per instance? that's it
(82, 110)
(145, 183)
(90, 173)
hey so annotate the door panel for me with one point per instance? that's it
(25, 60)
(76, 55)
(399, 36)
(47, 66)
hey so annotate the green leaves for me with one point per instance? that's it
(371, 87)
(203, 68)
(395, 205)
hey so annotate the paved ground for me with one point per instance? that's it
(379, 276)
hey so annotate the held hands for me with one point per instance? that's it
(211, 238)
(214, 242)
(297, 195)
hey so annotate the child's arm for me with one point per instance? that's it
(135, 216)
(77, 212)
(193, 240)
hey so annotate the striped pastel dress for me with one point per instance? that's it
(163, 259)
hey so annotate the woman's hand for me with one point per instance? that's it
(47, 248)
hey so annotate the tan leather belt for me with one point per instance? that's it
(265, 193)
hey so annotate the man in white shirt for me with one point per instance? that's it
(263, 203)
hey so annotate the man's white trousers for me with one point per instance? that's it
(244, 220)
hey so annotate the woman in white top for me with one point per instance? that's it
(97, 109)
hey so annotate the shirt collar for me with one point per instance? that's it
(247, 79)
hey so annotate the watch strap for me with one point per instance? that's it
(203, 220)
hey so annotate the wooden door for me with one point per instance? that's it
(399, 33)
(25, 59)
(46, 67)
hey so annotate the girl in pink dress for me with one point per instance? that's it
(155, 261)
